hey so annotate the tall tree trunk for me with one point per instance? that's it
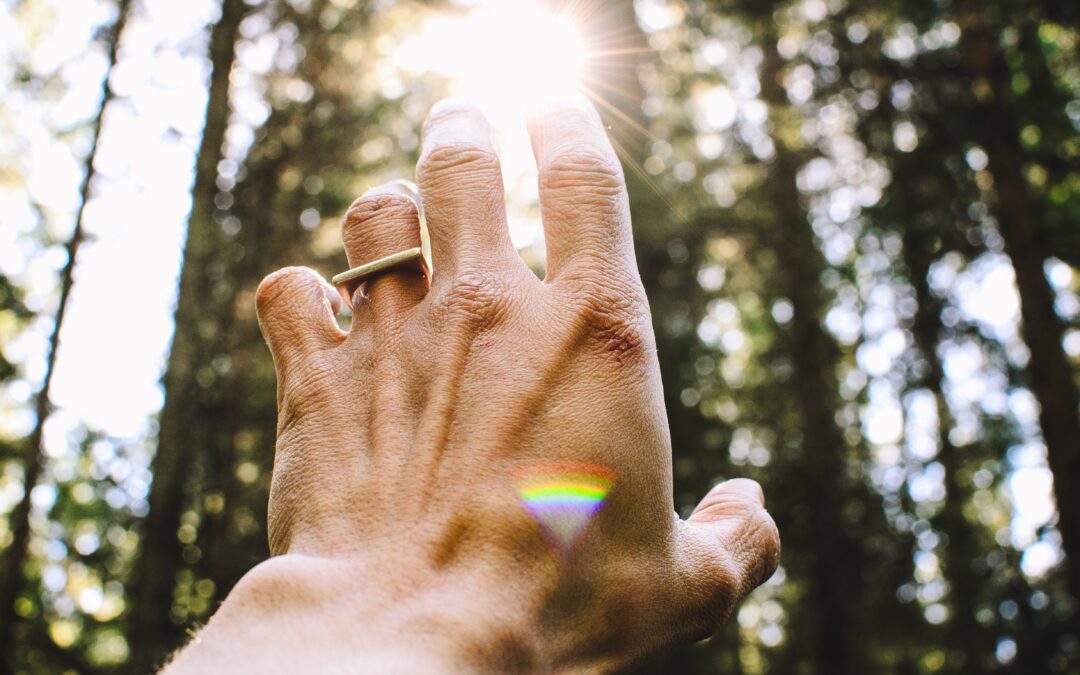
(833, 578)
(270, 235)
(1052, 379)
(15, 556)
(184, 430)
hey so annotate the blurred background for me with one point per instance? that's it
(857, 223)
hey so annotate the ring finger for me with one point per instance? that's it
(384, 222)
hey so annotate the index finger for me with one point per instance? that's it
(583, 200)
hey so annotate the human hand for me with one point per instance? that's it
(396, 515)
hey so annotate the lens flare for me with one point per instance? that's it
(512, 56)
(564, 497)
(502, 54)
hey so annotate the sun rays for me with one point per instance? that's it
(510, 55)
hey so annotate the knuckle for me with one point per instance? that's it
(582, 168)
(476, 298)
(763, 548)
(721, 595)
(277, 285)
(749, 558)
(380, 223)
(710, 589)
(376, 210)
(615, 320)
(305, 395)
(461, 160)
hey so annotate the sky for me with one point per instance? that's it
(116, 334)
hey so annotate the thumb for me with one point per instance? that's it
(730, 546)
(296, 309)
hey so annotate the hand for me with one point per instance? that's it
(396, 513)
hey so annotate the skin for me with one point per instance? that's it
(399, 542)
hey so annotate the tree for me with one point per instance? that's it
(255, 210)
(185, 422)
(1052, 378)
(16, 551)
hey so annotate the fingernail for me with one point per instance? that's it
(395, 187)
(574, 100)
(406, 187)
(456, 119)
(744, 486)
(449, 106)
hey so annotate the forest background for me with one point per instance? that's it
(857, 223)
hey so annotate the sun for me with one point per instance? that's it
(504, 55)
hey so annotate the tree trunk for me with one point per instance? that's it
(15, 555)
(1051, 376)
(184, 430)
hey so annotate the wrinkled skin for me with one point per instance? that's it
(399, 539)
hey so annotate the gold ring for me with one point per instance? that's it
(348, 280)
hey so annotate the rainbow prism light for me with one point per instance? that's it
(563, 497)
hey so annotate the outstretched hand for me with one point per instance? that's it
(477, 475)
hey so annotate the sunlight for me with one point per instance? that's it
(502, 55)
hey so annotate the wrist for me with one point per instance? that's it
(310, 614)
(509, 608)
